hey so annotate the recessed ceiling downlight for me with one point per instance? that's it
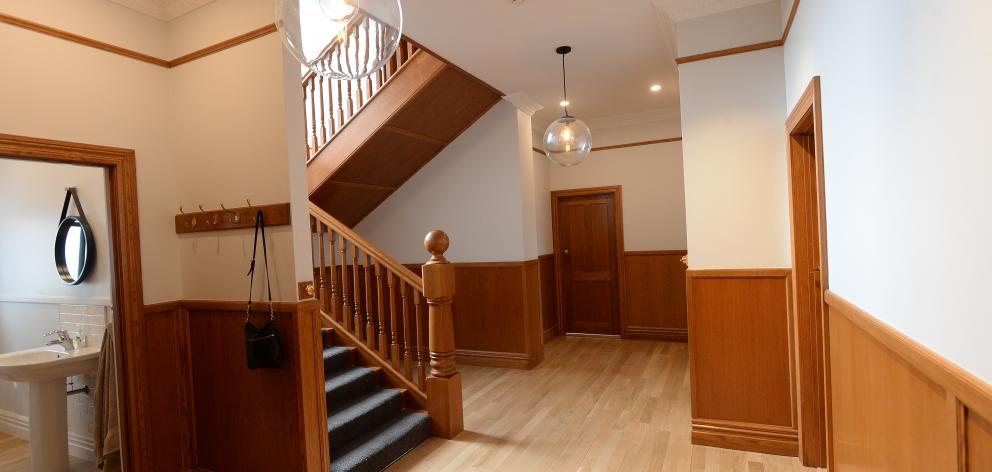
(656, 88)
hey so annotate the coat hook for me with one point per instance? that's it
(235, 216)
(201, 208)
(249, 202)
(181, 210)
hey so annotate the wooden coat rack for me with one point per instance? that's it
(276, 214)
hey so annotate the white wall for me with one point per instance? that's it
(650, 177)
(739, 27)
(230, 142)
(736, 182)
(472, 190)
(905, 89)
(59, 90)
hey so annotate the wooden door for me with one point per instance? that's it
(809, 268)
(587, 241)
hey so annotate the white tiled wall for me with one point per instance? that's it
(91, 322)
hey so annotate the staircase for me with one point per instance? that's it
(389, 372)
(369, 422)
(366, 137)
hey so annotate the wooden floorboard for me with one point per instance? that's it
(15, 456)
(593, 404)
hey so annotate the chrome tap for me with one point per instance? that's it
(64, 340)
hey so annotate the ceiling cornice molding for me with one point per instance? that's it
(165, 10)
(524, 103)
(637, 118)
(682, 11)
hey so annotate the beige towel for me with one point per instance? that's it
(106, 438)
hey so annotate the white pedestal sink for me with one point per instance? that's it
(45, 369)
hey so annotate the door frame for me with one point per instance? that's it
(617, 192)
(812, 351)
(128, 298)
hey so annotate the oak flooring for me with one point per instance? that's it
(591, 405)
(15, 456)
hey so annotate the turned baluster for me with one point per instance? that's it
(358, 295)
(444, 384)
(340, 110)
(418, 340)
(380, 311)
(345, 303)
(310, 150)
(323, 129)
(333, 275)
(313, 117)
(321, 287)
(407, 353)
(369, 325)
(394, 347)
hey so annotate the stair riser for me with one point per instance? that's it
(338, 361)
(346, 392)
(342, 431)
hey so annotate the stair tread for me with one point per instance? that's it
(349, 419)
(380, 447)
(337, 358)
(345, 384)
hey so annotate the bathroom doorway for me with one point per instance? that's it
(95, 189)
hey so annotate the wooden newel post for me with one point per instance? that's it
(444, 383)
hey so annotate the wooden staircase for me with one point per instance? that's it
(367, 137)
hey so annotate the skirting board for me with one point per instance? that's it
(550, 334)
(746, 436)
(507, 360)
(80, 446)
(676, 335)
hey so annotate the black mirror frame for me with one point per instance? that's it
(88, 242)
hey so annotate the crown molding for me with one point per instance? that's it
(165, 10)
(637, 118)
(524, 103)
(682, 10)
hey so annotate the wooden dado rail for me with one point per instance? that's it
(381, 307)
(329, 104)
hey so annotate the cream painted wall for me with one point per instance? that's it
(59, 90)
(749, 25)
(736, 182)
(904, 97)
(31, 198)
(472, 190)
(650, 177)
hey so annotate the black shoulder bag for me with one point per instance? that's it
(262, 345)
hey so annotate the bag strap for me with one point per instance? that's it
(70, 194)
(259, 224)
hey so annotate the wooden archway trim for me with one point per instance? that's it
(122, 194)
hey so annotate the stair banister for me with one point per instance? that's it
(444, 384)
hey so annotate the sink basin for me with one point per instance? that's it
(45, 368)
(47, 363)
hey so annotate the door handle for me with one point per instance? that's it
(565, 252)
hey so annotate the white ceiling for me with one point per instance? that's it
(619, 48)
(163, 9)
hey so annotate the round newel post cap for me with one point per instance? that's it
(436, 242)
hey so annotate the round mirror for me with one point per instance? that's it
(75, 250)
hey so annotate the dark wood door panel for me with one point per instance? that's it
(586, 229)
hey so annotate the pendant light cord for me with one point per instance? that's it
(564, 88)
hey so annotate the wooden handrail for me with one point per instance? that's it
(393, 265)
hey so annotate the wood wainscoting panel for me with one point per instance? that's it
(169, 405)
(656, 305)
(740, 350)
(266, 419)
(896, 405)
(497, 313)
(549, 305)
(978, 442)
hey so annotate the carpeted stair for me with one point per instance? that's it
(367, 426)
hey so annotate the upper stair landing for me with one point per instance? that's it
(371, 136)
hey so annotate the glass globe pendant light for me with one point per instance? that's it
(341, 39)
(567, 141)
